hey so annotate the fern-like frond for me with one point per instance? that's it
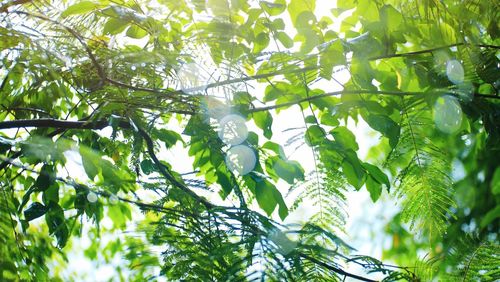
(424, 185)
(324, 189)
(475, 260)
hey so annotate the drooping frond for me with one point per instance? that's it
(423, 183)
(475, 260)
(325, 190)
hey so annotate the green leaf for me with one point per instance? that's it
(328, 119)
(89, 162)
(224, 181)
(136, 32)
(275, 91)
(7, 39)
(353, 170)
(220, 8)
(114, 26)
(345, 137)
(284, 39)
(309, 38)
(286, 169)
(391, 18)
(298, 8)
(81, 7)
(273, 8)
(45, 179)
(35, 210)
(282, 208)
(347, 4)
(51, 194)
(265, 195)
(495, 182)
(374, 187)
(148, 167)
(314, 135)
(490, 216)
(332, 55)
(264, 120)
(276, 148)
(169, 137)
(386, 126)
(261, 42)
(57, 225)
(377, 174)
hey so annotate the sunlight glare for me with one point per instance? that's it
(233, 130)
(241, 159)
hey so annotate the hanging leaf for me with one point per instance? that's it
(35, 210)
(81, 7)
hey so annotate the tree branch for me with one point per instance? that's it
(432, 50)
(335, 269)
(4, 8)
(100, 124)
(54, 123)
(352, 92)
(167, 174)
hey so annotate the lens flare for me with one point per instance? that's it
(455, 71)
(447, 114)
(214, 108)
(92, 197)
(241, 159)
(190, 76)
(233, 130)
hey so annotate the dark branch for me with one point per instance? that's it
(167, 174)
(54, 123)
(432, 50)
(5, 7)
(100, 124)
(335, 269)
(353, 92)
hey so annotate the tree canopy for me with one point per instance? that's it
(164, 133)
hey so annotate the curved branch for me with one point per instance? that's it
(167, 174)
(352, 92)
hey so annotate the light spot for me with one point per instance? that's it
(233, 130)
(241, 159)
(133, 68)
(92, 197)
(447, 114)
(191, 79)
(214, 107)
(455, 71)
(113, 200)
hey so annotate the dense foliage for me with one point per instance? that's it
(129, 92)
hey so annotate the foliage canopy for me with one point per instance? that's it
(127, 92)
